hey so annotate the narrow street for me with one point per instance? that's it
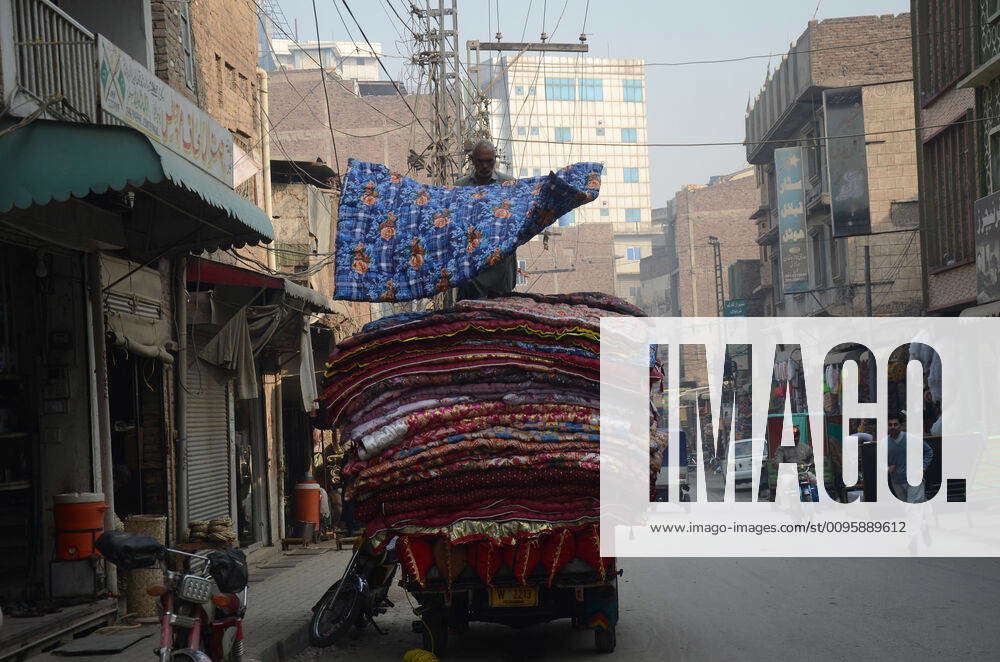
(752, 609)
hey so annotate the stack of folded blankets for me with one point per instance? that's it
(473, 434)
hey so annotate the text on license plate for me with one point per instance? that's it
(520, 596)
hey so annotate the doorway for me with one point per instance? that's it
(251, 472)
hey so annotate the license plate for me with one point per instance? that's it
(521, 596)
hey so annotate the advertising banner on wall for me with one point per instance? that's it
(846, 162)
(134, 95)
(791, 220)
(986, 221)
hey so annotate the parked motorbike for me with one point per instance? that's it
(361, 594)
(202, 610)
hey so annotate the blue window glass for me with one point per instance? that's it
(537, 172)
(521, 131)
(360, 61)
(518, 90)
(600, 132)
(591, 89)
(521, 266)
(632, 90)
(523, 172)
(563, 134)
(567, 218)
(560, 89)
(534, 130)
(633, 253)
(631, 176)
(605, 212)
(531, 91)
(633, 215)
(629, 136)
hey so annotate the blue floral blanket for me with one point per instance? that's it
(399, 240)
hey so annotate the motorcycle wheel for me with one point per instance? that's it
(332, 619)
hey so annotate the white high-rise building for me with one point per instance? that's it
(548, 112)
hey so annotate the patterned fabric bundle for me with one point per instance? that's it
(399, 240)
(473, 434)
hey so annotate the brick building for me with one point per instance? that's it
(378, 129)
(790, 107)
(576, 258)
(721, 209)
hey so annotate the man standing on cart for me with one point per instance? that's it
(498, 280)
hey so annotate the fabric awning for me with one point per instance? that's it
(59, 160)
(201, 270)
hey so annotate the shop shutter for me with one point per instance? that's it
(208, 442)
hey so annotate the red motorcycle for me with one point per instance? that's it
(202, 609)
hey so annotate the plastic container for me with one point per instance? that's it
(307, 498)
(79, 521)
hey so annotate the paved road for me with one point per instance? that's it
(754, 609)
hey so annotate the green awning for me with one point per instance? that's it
(48, 161)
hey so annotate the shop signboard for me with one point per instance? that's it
(133, 94)
(986, 222)
(734, 308)
(846, 162)
(791, 220)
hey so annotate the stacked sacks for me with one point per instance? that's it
(473, 433)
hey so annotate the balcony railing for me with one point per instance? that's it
(56, 60)
(637, 228)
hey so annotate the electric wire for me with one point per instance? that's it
(326, 93)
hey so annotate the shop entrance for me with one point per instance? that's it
(138, 444)
(251, 472)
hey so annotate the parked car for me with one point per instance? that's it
(743, 459)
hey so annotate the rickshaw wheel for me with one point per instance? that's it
(604, 639)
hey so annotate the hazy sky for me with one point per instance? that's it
(696, 103)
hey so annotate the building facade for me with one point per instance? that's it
(552, 111)
(145, 240)
(350, 60)
(790, 111)
(968, 233)
(947, 149)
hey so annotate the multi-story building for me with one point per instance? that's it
(350, 60)
(551, 111)
(132, 140)
(963, 244)
(950, 179)
(658, 277)
(823, 274)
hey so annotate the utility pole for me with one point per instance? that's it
(720, 292)
(440, 54)
(868, 281)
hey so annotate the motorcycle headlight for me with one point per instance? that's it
(195, 589)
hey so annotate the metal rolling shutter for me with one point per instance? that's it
(208, 442)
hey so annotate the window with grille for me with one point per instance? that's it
(560, 89)
(633, 253)
(632, 90)
(629, 135)
(630, 175)
(950, 191)
(945, 41)
(563, 134)
(633, 215)
(591, 89)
